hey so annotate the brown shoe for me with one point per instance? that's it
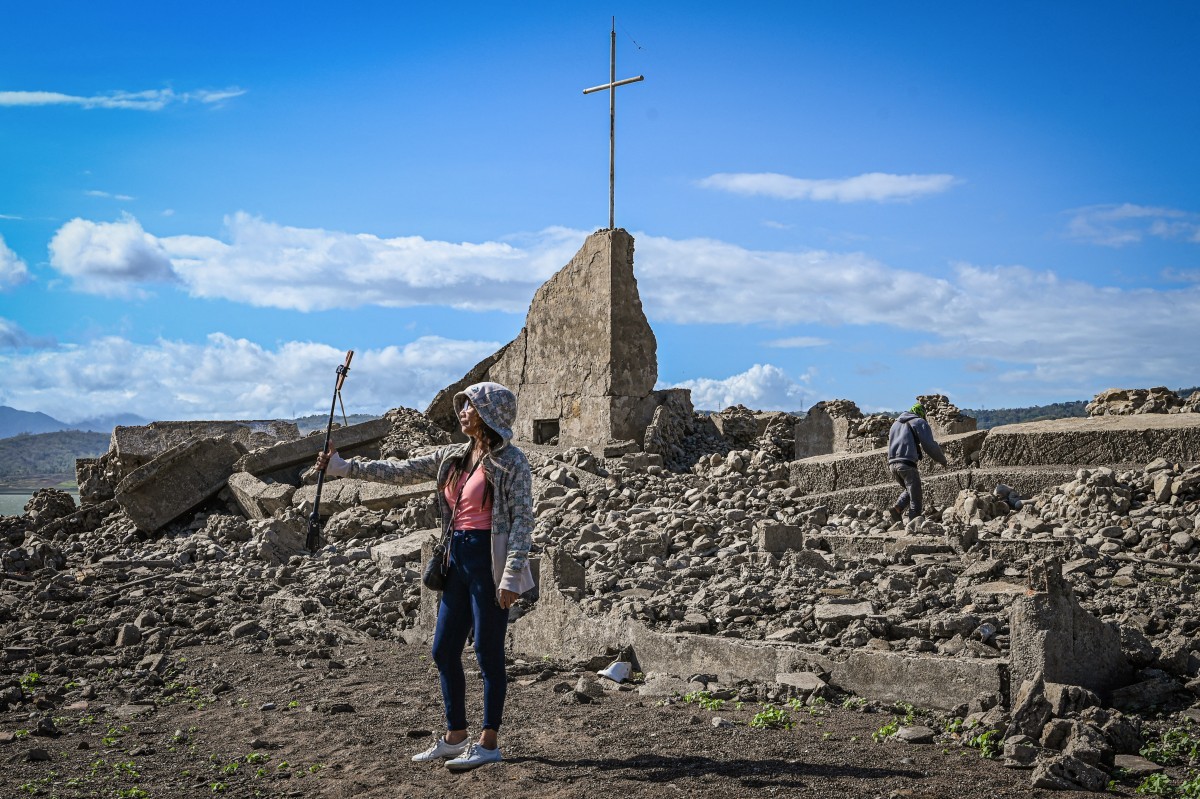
(895, 513)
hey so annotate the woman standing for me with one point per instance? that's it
(485, 497)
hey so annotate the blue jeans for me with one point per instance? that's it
(469, 601)
(910, 478)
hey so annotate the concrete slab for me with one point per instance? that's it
(177, 481)
(303, 451)
(939, 683)
(1096, 441)
(145, 442)
(338, 495)
(395, 553)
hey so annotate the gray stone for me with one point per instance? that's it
(915, 734)
(778, 538)
(1065, 773)
(259, 500)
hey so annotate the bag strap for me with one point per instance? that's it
(462, 485)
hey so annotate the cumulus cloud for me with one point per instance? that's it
(225, 377)
(13, 336)
(109, 258)
(1126, 223)
(1043, 329)
(149, 100)
(13, 271)
(762, 387)
(869, 187)
(271, 265)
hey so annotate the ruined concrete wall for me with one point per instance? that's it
(586, 359)
(1053, 637)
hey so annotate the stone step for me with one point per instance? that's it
(941, 489)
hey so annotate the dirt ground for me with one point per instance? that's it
(347, 726)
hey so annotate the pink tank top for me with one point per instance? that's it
(471, 512)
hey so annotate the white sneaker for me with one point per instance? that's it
(442, 749)
(474, 757)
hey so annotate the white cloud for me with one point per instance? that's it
(109, 258)
(1120, 225)
(799, 342)
(13, 336)
(149, 100)
(13, 271)
(1066, 332)
(761, 387)
(872, 186)
(228, 378)
(1044, 330)
(98, 193)
(271, 265)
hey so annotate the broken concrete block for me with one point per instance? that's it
(1054, 636)
(259, 500)
(843, 612)
(802, 682)
(394, 554)
(777, 538)
(177, 481)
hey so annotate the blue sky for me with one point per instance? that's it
(202, 208)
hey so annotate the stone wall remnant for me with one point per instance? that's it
(585, 363)
(1130, 401)
(1055, 639)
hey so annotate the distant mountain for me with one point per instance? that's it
(14, 422)
(105, 424)
(33, 455)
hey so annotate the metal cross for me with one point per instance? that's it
(611, 86)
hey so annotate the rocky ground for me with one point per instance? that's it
(216, 649)
(232, 720)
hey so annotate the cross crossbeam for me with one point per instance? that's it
(611, 87)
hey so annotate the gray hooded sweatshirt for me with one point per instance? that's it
(507, 469)
(903, 437)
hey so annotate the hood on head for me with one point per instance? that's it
(496, 405)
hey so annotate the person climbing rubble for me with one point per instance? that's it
(909, 437)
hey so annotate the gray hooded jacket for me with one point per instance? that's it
(903, 437)
(507, 469)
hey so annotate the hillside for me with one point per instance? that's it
(32, 455)
(986, 419)
(14, 422)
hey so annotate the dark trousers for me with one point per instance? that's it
(469, 603)
(909, 477)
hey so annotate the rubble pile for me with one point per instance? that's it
(1129, 401)
(727, 548)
